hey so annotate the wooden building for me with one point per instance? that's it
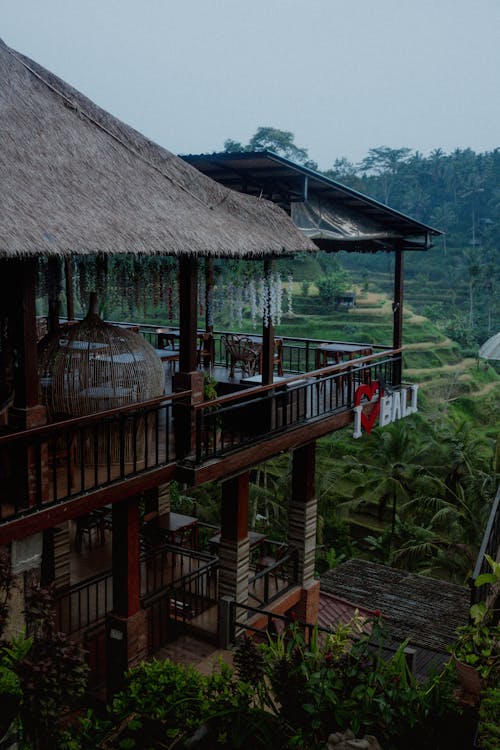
(77, 182)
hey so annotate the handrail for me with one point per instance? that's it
(151, 328)
(90, 419)
(491, 539)
(312, 375)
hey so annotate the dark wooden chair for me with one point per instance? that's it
(88, 527)
(152, 536)
(205, 352)
(268, 560)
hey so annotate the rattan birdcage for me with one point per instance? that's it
(93, 366)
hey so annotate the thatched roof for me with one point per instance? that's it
(425, 610)
(74, 179)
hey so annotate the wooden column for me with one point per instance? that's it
(397, 309)
(126, 583)
(70, 297)
(302, 516)
(188, 313)
(267, 334)
(28, 464)
(234, 547)
(188, 378)
(126, 625)
(20, 291)
(209, 295)
(54, 278)
(209, 345)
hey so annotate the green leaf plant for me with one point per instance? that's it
(478, 643)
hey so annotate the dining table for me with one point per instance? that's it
(180, 529)
(255, 540)
(340, 352)
(169, 337)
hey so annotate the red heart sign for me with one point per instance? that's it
(369, 391)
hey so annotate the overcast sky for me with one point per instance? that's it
(342, 75)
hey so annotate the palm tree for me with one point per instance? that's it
(447, 530)
(389, 472)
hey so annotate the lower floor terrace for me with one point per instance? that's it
(182, 574)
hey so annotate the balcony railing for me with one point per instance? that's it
(274, 580)
(238, 420)
(490, 546)
(176, 572)
(66, 460)
(49, 465)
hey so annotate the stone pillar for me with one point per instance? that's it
(234, 549)
(163, 499)
(302, 513)
(126, 625)
(302, 518)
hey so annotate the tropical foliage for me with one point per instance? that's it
(286, 693)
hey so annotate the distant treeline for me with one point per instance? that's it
(458, 193)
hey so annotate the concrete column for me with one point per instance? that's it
(163, 499)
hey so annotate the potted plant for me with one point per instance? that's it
(477, 648)
(211, 422)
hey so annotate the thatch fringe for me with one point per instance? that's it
(75, 179)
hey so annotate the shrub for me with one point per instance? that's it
(489, 727)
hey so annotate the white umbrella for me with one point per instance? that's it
(491, 348)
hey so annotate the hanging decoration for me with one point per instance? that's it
(252, 293)
(289, 291)
(136, 287)
(242, 292)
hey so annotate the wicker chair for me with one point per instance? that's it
(242, 349)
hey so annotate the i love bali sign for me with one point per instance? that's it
(387, 408)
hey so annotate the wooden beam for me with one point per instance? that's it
(44, 518)
(269, 447)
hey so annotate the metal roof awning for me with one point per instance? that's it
(333, 215)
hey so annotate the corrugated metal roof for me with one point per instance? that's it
(268, 175)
